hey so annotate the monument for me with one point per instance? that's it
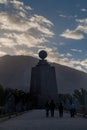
(43, 84)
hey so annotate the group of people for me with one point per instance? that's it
(50, 107)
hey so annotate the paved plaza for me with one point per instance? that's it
(36, 120)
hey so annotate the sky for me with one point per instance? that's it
(57, 26)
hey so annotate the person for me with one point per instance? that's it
(52, 107)
(72, 110)
(60, 107)
(47, 108)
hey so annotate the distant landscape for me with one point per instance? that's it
(15, 72)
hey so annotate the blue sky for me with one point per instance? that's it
(59, 27)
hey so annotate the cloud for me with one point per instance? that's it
(83, 10)
(16, 3)
(21, 28)
(69, 55)
(67, 60)
(72, 35)
(60, 58)
(84, 63)
(53, 54)
(82, 27)
(2, 53)
(75, 50)
(75, 16)
(73, 63)
(83, 21)
(3, 1)
(78, 67)
(61, 43)
(78, 32)
(41, 23)
(63, 16)
(19, 5)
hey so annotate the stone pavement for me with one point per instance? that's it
(36, 120)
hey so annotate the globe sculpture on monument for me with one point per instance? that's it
(43, 86)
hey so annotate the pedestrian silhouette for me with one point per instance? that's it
(60, 107)
(72, 110)
(47, 107)
(52, 107)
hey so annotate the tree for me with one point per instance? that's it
(2, 95)
(79, 94)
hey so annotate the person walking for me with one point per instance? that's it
(47, 107)
(60, 107)
(72, 110)
(52, 107)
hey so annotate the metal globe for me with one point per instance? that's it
(43, 54)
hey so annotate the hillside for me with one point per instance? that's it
(15, 72)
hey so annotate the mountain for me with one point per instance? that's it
(69, 79)
(15, 72)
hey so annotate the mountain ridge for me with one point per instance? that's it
(15, 72)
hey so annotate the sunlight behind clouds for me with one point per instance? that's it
(19, 27)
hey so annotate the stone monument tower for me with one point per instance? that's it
(43, 84)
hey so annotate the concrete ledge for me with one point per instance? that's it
(9, 116)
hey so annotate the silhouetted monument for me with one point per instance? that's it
(43, 84)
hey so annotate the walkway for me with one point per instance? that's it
(36, 120)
